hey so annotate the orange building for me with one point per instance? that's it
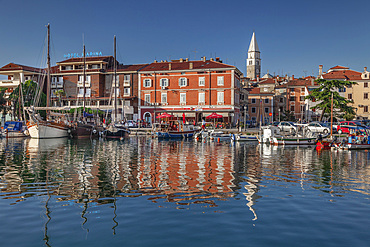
(195, 88)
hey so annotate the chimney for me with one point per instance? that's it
(181, 60)
(217, 59)
(211, 59)
(292, 77)
(365, 69)
(258, 78)
(169, 66)
(204, 58)
(320, 70)
(155, 61)
(190, 65)
(187, 59)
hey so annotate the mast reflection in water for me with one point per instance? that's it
(133, 187)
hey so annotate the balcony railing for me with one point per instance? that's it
(9, 83)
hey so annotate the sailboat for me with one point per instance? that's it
(82, 129)
(39, 128)
(115, 130)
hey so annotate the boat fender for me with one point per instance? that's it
(309, 140)
(94, 131)
(69, 130)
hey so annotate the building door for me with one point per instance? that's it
(148, 117)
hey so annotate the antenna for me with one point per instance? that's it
(195, 54)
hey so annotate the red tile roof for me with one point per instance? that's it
(342, 75)
(185, 65)
(339, 67)
(13, 66)
(267, 81)
(257, 90)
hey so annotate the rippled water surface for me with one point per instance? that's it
(145, 192)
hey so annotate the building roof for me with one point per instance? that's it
(344, 74)
(267, 81)
(87, 59)
(186, 65)
(13, 66)
(257, 91)
(253, 46)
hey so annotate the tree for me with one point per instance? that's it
(3, 106)
(287, 116)
(324, 93)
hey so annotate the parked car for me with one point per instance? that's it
(318, 127)
(274, 124)
(132, 124)
(350, 126)
(288, 126)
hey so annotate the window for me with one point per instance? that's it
(266, 101)
(88, 92)
(183, 82)
(220, 97)
(126, 91)
(164, 82)
(292, 98)
(301, 98)
(366, 84)
(342, 90)
(266, 110)
(147, 82)
(164, 98)
(220, 80)
(349, 96)
(292, 108)
(253, 101)
(147, 98)
(183, 98)
(366, 95)
(366, 108)
(127, 78)
(201, 97)
(253, 109)
(81, 78)
(95, 66)
(202, 81)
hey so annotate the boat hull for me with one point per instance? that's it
(45, 130)
(176, 134)
(292, 141)
(85, 131)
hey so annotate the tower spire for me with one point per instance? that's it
(253, 59)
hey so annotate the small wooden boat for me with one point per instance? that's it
(354, 142)
(293, 140)
(219, 135)
(244, 138)
(175, 129)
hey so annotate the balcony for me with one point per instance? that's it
(9, 83)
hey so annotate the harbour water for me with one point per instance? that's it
(148, 192)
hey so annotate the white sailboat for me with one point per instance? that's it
(39, 128)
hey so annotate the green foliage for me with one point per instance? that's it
(88, 110)
(323, 95)
(287, 116)
(3, 106)
(29, 90)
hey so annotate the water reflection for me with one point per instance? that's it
(98, 172)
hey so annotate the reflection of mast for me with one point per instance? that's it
(47, 211)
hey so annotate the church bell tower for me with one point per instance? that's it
(253, 60)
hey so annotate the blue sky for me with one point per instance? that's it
(294, 37)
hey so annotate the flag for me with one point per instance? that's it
(183, 117)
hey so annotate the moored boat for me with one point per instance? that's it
(244, 138)
(14, 129)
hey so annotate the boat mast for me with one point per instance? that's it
(331, 116)
(48, 76)
(84, 80)
(115, 81)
